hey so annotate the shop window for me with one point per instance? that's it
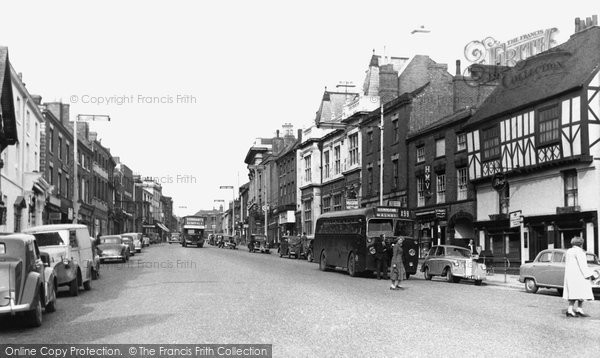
(548, 125)
(308, 217)
(420, 154)
(490, 143)
(462, 182)
(440, 147)
(570, 178)
(441, 188)
(420, 191)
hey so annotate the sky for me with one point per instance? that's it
(189, 85)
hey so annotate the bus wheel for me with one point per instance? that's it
(351, 265)
(323, 262)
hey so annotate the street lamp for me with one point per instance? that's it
(82, 118)
(337, 125)
(232, 206)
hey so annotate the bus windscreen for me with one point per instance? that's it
(404, 228)
(376, 227)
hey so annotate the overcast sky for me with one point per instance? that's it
(244, 67)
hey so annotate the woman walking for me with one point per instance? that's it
(397, 265)
(577, 286)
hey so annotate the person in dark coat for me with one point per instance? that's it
(380, 257)
(397, 265)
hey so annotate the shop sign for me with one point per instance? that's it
(516, 218)
(287, 217)
(498, 181)
(353, 204)
(440, 214)
(70, 213)
(427, 177)
(55, 216)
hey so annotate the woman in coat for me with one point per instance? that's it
(577, 286)
(397, 265)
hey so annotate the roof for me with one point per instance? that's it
(54, 227)
(559, 70)
(454, 117)
(19, 236)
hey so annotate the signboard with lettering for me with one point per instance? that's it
(516, 218)
(351, 203)
(391, 212)
(440, 213)
(427, 177)
(193, 220)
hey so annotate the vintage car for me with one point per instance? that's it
(145, 241)
(27, 282)
(96, 264)
(295, 247)
(137, 240)
(127, 240)
(230, 242)
(70, 249)
(283, 246)
(174, 238)
(307, 248)
(548, 271)
(453, 262)
(113, 248)
(260, 244)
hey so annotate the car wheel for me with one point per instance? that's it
(449, 276)
(74, 287)
(478, 282)
(280, 254)
(51, 306)
(351, 265)
(530, 285)
(34, 317)
(87, 285)
(426, 274)
(323, 262)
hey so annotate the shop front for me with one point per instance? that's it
(431, 228)
(287, 223)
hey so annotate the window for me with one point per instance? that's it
(370, 142)
(326, 166)
(490, 143)
(440, 147)
(67, 151)
(28, 121)
(420, 191)
(51, 174)
(308, 217)
(404, 201)
(441, 188)
(336, 156)
(60, 152)
(420, 154)
(67, 184)
(60, 188)
(462, 181)
(326, 204)
(548, 125)
(51, 140)
(570, 178)
(396, 131)
(337, 202)
(395, 168)
(18, 219)
(307, 169)
(370, 180)
(461, 142)
(353, 148)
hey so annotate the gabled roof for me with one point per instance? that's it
(454, 117)
(553, 72)
(8, 127)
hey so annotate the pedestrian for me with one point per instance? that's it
(472, 248)
(577, 286)
(379, 251)
(397, 265)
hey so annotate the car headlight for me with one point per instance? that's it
(455, 263)
(370, 240)
(483, 267)
(412, 252)
(65, 261)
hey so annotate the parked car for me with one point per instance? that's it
(70, 249)
(295, 247)
(137, 240)
(112, 248)
(230, 242)
(283, 246)
(127, 240)
(145, 241)
(453, 262)
(96, 264)
(548, 271)
(27, 281)
(307, 248)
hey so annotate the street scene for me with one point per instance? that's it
(337, 179)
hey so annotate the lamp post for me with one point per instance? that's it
(82, 118)
(232, 207)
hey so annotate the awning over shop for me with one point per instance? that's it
(8, 135)
(162, 227)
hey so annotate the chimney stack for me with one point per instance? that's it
(458, 72)
(581, 25)
(37, 99)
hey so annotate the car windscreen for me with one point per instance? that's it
(49, 239)
(457, 252)
(110, 240)
(376, 227)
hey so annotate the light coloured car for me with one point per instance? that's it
(128, 240)
(27, 282)
(137, 240)
(548, 271)
(145, 241)
(454, 263)
(70, 249)
(112, 247)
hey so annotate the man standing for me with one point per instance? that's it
(380, 257)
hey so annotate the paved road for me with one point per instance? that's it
(171, 294)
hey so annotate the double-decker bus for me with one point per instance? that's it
(343, 238)
(192, 230)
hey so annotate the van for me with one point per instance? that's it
(70, 253)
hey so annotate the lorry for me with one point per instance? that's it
(192, 230)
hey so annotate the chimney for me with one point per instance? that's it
(458, 72)
(300, 135)
(581, 25)
(277, 133)
(93, 136)
(64, 113)
(37, 99)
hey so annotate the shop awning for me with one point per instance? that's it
(7, 108)
(162, 227)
